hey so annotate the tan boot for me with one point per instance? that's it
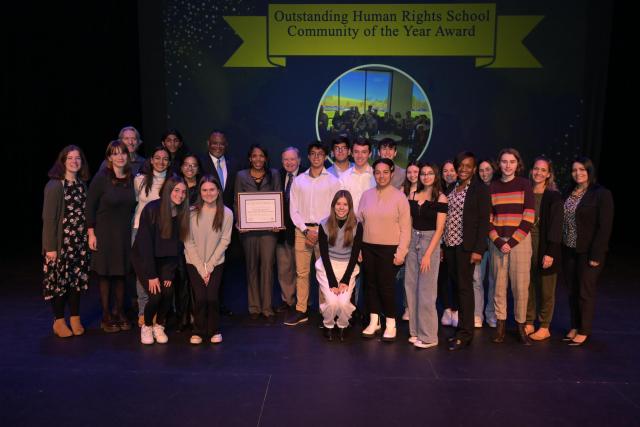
(541, 334)
(76, 326)
(528, 329)
(61, 329)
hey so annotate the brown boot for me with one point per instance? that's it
(500, 328)
(61, 329)
(76, 326)
(524, 338)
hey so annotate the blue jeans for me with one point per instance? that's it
(422, 288)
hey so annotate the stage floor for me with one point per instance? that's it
(275, 375)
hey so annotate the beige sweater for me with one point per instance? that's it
(205, 247)
(386, 218)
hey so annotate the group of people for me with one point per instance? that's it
(355, 224)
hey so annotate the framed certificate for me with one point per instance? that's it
(260, 211)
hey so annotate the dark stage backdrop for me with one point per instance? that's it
(528, 74)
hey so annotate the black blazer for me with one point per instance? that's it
(550, 229)
(475, 216)
(594, 220)
(289, 234)
(208, 168)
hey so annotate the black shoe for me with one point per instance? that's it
(458, 344)
(296, 318)
(501, 325)
(282, 308)
(270, 318)
(524, 338)
(225, 311)
(342, 334)
(328, 334)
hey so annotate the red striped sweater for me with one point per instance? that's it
(513, 211)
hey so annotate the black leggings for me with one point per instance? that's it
(206, 305)
(380, 274)
(106, 284)
(58, 303)
(158, 304)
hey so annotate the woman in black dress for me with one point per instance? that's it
(64, 239)
(110, 205)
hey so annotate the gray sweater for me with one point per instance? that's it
(205, 247)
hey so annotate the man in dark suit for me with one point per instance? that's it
(221, 166)
(285, 251)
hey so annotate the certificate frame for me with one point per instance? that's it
(260, 211)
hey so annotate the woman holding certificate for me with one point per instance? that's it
(259, 245)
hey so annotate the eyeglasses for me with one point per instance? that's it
(189, 166)
(340, 148)
(317, 154)
(427, 174)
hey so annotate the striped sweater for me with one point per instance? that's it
(513, 211)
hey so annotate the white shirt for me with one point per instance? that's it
(141, 193)
(223, 164)
(333, 170)
(310, 198)
(357, 183)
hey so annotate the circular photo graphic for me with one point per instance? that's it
(377, 101)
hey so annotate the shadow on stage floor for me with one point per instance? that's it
(274, 375)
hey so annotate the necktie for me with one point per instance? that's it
(220, 173)
(287, 189)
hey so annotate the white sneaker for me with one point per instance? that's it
(446, 318)
(405, 315)
(454, 319)
(389, 330)
(477, 320)
(374, 326)
(422, 344)
(491, 323)
(413, 339)
(216, 339)
(146, 335)
(195, 339)
(159, 335)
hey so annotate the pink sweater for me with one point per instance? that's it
(386, 218)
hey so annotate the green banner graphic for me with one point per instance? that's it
(472, 30)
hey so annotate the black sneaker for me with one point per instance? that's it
(295, 318)
(283, 307)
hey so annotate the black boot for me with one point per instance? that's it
(342, 334)
(500, 327)
(328, 334)
(524, 338)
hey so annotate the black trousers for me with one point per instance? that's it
(182, 293)
(582, 280)
(206, 303)
(159, 303)
(447, 292)
(59, 302)
(461, 273)
(380, 274)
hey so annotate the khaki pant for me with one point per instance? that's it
(303, 266)
(515, 267)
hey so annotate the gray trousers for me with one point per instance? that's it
(260, 251)
(422, 288)
(286, 260)
(514, 267)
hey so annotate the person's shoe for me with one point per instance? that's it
(374, 326)
(457, 344)
(412, 339)
(541, 334)
(216, 339)
(109, 326)
(123, 322)
(477, 321)
(254, 316)
(342, 334)
(529, 329)
(146, 334)
(422, 344)
(389, 334)
(579, 340)
(328, 333)
(60, 329)
(524, 338)
(159, 335)
(454, 319)
(270, 318)
(141, 321)
(570, 335)
(282, 308)
(76, 325)
(405, 315)
(500, 330)
(492, 323)
(225, 311)
(195, 340)
(446, 318)
(296, 318)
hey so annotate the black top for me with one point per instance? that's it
(550, 230)
(323, 244)
(594, 220)
(475, 216)
(424, 216)
(152, 256)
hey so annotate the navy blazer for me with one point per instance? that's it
(208, 168)
(594, 221)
